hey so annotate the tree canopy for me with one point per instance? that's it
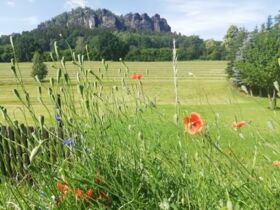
(254, 58)
(110, 44)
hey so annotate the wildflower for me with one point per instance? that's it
(136, 76)
(88, 194)
(78, 193)
(276, 163)
(193, 124)
(69, 142)
(164, 205)
(63, 188)
(53, 198)
(238, 125)
(58, 118)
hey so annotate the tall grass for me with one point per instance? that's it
(129, 153)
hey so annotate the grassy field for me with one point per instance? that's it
(218, 169)
(203, 87)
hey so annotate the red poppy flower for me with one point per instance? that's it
(136, 76)
(276, 163)
(78, 193)
(98, 180)
(63, 188)
(193, 124)
(238, 125)
(89, 194)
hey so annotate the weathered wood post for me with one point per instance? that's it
(6, 147)
(2, 163)
(24, 138)
(18, 147)
(13, 154)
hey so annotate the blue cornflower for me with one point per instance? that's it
(69, 142)
(57, 118)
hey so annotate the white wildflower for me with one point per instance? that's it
(164, 205)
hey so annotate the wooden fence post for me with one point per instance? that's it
(18, 147)
(6, 151)
(2, 163)
(25, 144)
(16, 142)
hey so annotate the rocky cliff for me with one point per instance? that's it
(91, 19)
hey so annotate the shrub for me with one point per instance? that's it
(39, 69)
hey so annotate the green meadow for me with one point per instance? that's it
(203, 87)
(144, 157)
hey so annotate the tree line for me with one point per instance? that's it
(110, 45)
(254, 58)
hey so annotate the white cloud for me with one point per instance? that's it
(11, 3)
(31, 1)
(76, 3)
(211, 18)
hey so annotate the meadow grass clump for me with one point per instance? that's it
(112, 147)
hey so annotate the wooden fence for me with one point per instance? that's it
(16, 143)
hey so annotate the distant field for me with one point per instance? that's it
(197, 79)
(201, 83)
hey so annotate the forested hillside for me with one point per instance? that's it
(131, 37)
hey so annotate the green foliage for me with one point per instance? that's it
(26, 46)
(6, 53)
(259, 66)
(233, 41)
(191, 48)
(255, 63)
(149, 54)
(144, 160)
(110, 47)
(109, 44)
(39, 69)
(214, 50)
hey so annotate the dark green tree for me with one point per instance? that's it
(259, 67)
(233, 41)
(25, 47)
(39, 69)
(110, 47)
(269, 22)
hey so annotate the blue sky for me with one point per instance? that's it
(206, 18)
